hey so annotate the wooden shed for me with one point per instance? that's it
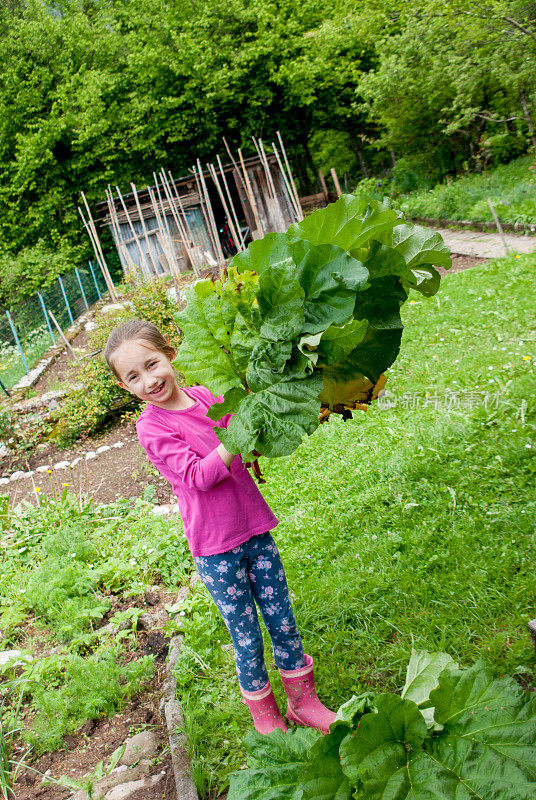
(200, 219)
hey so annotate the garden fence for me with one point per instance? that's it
(27, 330)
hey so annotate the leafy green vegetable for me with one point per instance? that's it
(381, 747)
(305, 319)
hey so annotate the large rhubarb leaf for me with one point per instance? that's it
(323, 778)
(379, 748)
(275, 764)
(350, 223)
(422, 677)
(312, 310)
(489, 733)
(273, 421)
(485, 749)
(205, 353)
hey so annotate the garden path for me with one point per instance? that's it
(486, 245)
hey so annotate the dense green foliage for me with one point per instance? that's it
(511, 188)
(414, 522)
(451, 733)
(63, 560)
(306, 318)
(96, 93)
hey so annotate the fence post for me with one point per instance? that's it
(67, 306)
(17, 340)
(43, 306)
(81, 288)
(94, 279)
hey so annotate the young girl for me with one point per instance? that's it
(226, 521)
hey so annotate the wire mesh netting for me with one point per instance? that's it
(28, 329)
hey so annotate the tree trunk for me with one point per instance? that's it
(524, 105)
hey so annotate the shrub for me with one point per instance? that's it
(96, 394)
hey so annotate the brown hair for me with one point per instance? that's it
(136, 329)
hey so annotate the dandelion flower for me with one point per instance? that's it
(527, 358)
(65, 484)
(37, 489)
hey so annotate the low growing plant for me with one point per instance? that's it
(451, 734)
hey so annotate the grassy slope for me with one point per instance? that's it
(407, 524)
(510, 187)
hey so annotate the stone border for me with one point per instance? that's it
(171, 712)
(60, 465)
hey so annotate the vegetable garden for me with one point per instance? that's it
(406, 529)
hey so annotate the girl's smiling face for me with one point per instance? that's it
(147, 373)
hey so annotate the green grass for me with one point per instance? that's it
(409, 524)
(510, 187)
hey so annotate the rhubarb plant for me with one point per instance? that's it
(453, 734)
(306, 322)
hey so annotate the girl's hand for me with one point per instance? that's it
(225, 455)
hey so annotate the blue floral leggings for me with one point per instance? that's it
(251, 572)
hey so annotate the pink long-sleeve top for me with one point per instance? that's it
(220, 508)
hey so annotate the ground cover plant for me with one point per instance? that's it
(67, 564)
(450, 733)
(409, 525)
(306, 319)
(510, 187)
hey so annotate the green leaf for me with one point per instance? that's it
(273, 421)
(350, 223)
(276, 764)
(428, 280)
(421, 246)
(263, 253)
(267, 362)
(279, 747)
(280, 301)
(330, 278)
(204, 356)
(229, 405)
(489, 732)
(337, 343)
(422, 675)
(323, 778)
(379, 746)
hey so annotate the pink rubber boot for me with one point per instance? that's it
(304, 707)
(263, 708)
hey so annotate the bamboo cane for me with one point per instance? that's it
(143, 265)
(224, 204)
(252, 201)
(219, 252)
(257, 148)
(55, 321)
(164, 242)
(203, 209)
(267, 169)
(181, 207)
(296, 195)
(166, 224)
(237, 224)
(182, 233)
(122, 248)
(336, 181)
(106, 274)
(144, 229)
(105, 270)
(288, 187)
